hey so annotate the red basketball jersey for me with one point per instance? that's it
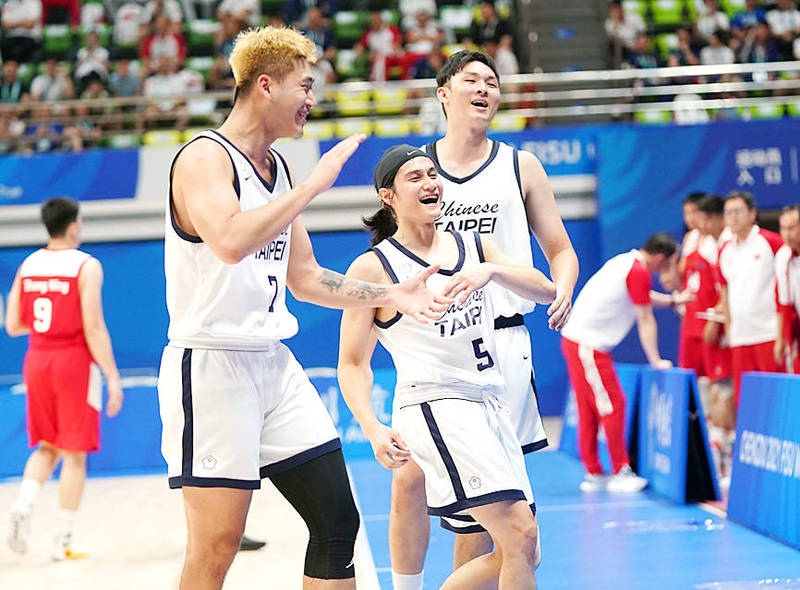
(700, 278)
(50, 303)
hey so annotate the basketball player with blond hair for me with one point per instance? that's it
(235, 404)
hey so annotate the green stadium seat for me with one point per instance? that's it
(456, 18)
(668, 12)
(653, 117)
(200, 36)
(348, 26)
(731, 7)
(666, 42)
(123, 140)
(57, 41)
(101, 29)
(349, 65)
(201, 65)
(27, 72)
(793, 108)
(767, 111)
(635, 6)
(391, 17)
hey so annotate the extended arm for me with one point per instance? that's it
(206, 204)
(90, 283)
(14, 325)
(547, 226)
(356, 344)
(308, 281)
(648, 336)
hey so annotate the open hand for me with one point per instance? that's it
(413, 298)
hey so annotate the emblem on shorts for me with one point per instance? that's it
(209, 462)
(474, 482)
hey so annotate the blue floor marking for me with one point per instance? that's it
(602, 541)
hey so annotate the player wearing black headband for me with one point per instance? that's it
(450, 414)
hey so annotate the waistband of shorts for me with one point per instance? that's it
(269, 348)
(508, 322)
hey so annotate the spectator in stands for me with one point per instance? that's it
(685, 54)
(84, 133)
(12, 89)
(491, 27)
(53, 83)
(384, 45)
(796, 48)
(164, 42)
(621, 27)
(221, 75)
(155, 8)
(92, 60)
(11, 129)
(295, 11)
(747, 18)
(758, 45)
(427, 67)
(165, 82)
(409, 9)
(127, 21)
(317, 30)
(42, 134)
(61, 12)
(713, 20)
(747, 299)
(96, 90)
(787, 274)
(124, 80)
(21, 21)
(422, 35)
(641, 55)
(717, 51)
(246, 13)
(784, 21)
(504, 60)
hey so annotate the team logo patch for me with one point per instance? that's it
(209, 462)
(474, 482)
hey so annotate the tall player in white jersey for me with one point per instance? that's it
(449, 408)
(235, 404)
(495, 190)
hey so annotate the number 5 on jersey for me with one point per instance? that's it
(482, 355)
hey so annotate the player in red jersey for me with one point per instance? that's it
(56, 299)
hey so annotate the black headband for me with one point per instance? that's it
(392, 160)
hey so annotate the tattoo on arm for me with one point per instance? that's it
(337, 283)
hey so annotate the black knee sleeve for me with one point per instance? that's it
(320, 492)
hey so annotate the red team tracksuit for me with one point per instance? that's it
(601, 317)
(747, 267)
(62, 381)
(701, 277)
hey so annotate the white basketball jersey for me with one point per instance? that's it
(490, 201)
(238, 306)
(454, 355)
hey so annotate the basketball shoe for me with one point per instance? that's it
(626, 481)
(19, 529)
(64, 549)
(593, 483)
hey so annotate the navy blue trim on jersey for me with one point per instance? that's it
(479, 246)
(516, 171)
(286, 169)
(461, 530)
(431, 149)
(388, 323)
(539, 444)
(188, 414)
(269, 186)
(181, 233)
(513, 321)
(447, 458)
(303, 457)
(214, 482)
(483, 500)
(421, 262)
(389, 271)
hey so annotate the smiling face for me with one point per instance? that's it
(416, 194)
(291, 99)
(472, 94)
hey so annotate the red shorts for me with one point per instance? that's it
(717, 362)
(690, 354)
(61, 385)
(754, 357)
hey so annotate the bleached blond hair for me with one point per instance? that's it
(268, 50)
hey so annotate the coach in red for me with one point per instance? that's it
(56, 299)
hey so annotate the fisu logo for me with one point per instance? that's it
(209, 462)
(474, 482)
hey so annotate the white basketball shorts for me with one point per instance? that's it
(469, 453)
(232, 417)
(513, 346)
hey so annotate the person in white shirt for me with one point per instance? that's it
(53, 83)
(92, 60)
(244, 12)
(716, 52)
(787, 275)
(784, 20)
(612, 300)
(621, 27)
(712, 20)
(22, 30)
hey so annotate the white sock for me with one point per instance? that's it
(407, 581)
(66, 521)
(28, 490)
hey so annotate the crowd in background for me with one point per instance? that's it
(144, 48)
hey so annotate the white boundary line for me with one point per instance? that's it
(366, 574)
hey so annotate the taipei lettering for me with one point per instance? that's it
(463, 217)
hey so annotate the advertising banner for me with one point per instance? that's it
(765, 481)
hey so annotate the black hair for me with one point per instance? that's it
(748, 198)
(789, 208)
(57, 213)
(661, 243)
(382, 224)
(694, 197)
(456, 62)
(712, 205)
